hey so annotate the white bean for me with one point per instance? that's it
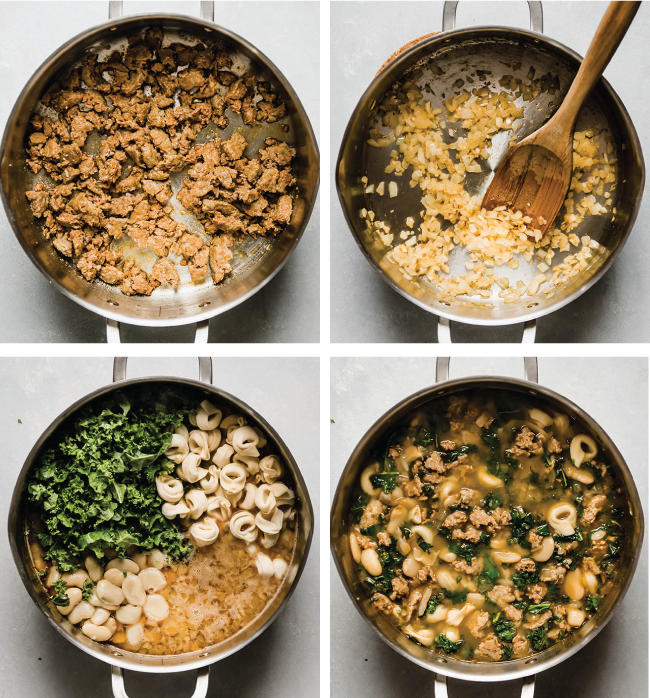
(575, 617)
(109, 593)
(52, 576)
(99, 633)
(573, 585)
(410, 567)
(544, 551)
(95, 571)
(75, 579)
(152, 580)
(133, 590)
(141, 560)
(134, 635)
(280, 567)
(75, 596)
(354, 549)
(157, 559)
(100, 616)
(505, 557)
(439, 614)
(111, 624)
(115, 576)
(96, 601)
(124, 565)
(82, 611)
(128, 615)
(425, 533)
(370, 560)
(156, 608)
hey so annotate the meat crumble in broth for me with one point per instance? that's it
(489, 528)
(214, 595)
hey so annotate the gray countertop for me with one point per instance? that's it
(615, 393)
(36, 661)
(286, 309)
(363, 307)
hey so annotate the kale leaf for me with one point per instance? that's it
(60, 596)
(87, 589)
(444, 643)
(358, 507)
(537, 638)
(521, 522)
(434, 602)
(492, 501)
(592, 603)
(387, 481)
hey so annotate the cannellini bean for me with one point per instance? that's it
(99, 633)
(424, 637)
(489, 480)
(100, 616)
(128, 614)
(111, 624)
(598, 535)
(280, 567)
(156, 608)
(109, 593)
(425, 533)
(424, 601)
(563, 518)
(439, 614)
(157, 559)
(75, 594)
(133, 590)
(575, 617)
(477, 600)
(544, 551)
(498, 543)
(590, 581)
(366, 485)
(506, 558)
(427, 558)
(542, 418)
(141, 560)
(135, 635)
(95, 571)
(370, 560)
(124, 565)
(82, 611)
(410, 567)
(96, 601)
(448, 556)
(397, 518)
(447, 488)
(354, 548)
(403, 547)
(52, 576)
(446, 580)
(457, 615)
(115, 576)
(573, 585)
(75, 579)
(579, 474)
(152, 580)
(577, 449)
(451, 634)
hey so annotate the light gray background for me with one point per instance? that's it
(615, 393)
(36, 661)
(363, 307)
(286, 309)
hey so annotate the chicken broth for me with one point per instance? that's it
(214, 595)
(489, 527)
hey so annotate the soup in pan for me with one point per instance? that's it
(159, 523)
(489, 527)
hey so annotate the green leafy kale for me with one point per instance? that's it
(387, 481)
(504, 630)
(60, 596)
(543, 530)
(464, 550)
(434, 602)
(358, 507)
(492, 501)
(444, 643)
(522, 579)
(536, 609)
(391, 560)
(521, 522)
(370, 531)
(94, 485)
(559, 471)
(458, 596)
(489, 574)
(592, 603)
(537, 638)
(579, 507)
(490, 438)
(451, 456)
(87, 590)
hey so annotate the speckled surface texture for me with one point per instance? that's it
(363, 307)
(615, 393)
(36, 661)
(286, 309)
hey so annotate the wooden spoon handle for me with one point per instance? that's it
(608, 36)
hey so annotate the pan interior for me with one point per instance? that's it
(482, 58)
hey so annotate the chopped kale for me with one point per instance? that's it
(87, 590)
(370, 531)
(444, 643)
(489, 574)
(505, 630)
(387, 481)
(522, 579)
(451, 456)
(490, 438)
(521, 522)
(464, 550)
(492, 501)
(358, 507)
(543, 530)
(537, 638)
(592, 603)
(425, 546)
(434, 602)
(579, 508)
(458, 596)
(60, 596)
(536, 609)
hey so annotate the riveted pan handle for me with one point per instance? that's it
(444, 331)
(534, 6)
(114, 330)
(205, 369)
(440, 687)
(530, 370)
(116, 9)
(201, 690)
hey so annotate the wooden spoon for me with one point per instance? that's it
(534, 175)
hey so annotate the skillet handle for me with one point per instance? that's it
(530, 370)
(440, 687)
(119, 691)
(444, 331)
(116, 9)
(534, 7)
(114, 332)
(205, 369)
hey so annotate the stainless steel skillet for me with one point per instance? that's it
(118, 658)
(476, 56)
(255, 262)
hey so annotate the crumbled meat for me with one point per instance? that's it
(490, 647)
(434, 462)
(473, 535)
(536, 592)
(142, 112)
(383, 538)
(512, 613)
(590, 565)
(527, 444)
(400, 587)
(538, 620)
(501, 595)
(552, 575)
(593, 509)
(520, 646)
(448, 445)
(478, 622)
(526, 565)
(371, 514)
(458, 518)
(465, 497)
(462, 566)
(535, 539)
(382, 602)
(414, 600)
(554, 446)
(413, 488)
(479, 517)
